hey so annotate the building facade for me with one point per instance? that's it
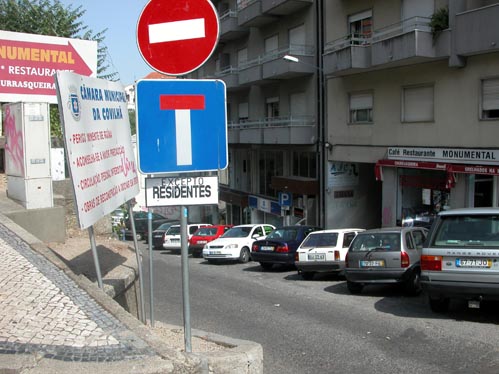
(413, 106)
(365, 113)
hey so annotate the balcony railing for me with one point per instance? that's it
(403, 27)
(226, 71)
(357, 40)
(245, 3)
(293, 49)
(269, 122)
(228, 14)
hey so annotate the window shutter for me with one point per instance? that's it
(490, 94)
(243, 110)
(418, 104)
(361, 101)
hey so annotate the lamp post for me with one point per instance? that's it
(321, 127)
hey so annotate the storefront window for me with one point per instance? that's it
(483, 190)
(422, 194)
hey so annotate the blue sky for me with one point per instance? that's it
(120, 18)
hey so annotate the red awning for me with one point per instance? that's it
(450, 169)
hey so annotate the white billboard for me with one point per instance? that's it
(98, 144)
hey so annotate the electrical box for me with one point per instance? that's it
(27, 154)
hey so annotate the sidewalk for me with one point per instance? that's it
(54, 321)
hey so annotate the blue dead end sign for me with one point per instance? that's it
(181, 125)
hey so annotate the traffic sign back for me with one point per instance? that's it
(176, 37)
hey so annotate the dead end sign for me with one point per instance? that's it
(176, 37)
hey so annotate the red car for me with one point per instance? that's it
(205, 235)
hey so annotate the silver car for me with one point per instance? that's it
(387, 255)
(461, 258)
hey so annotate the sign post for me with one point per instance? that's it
(176, 37)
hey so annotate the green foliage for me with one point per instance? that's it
(50, 17)
(131, 115)
(439, 22)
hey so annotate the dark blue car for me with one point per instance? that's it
(279, 247)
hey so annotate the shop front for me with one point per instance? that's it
(420, 182)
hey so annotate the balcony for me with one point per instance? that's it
(250, 72)
(250, 14)
(477, 31)
(229, 75)
(284, 7)
(274, 67)
(229, 28)
(275, 130)
(347, 55)
(404, 43)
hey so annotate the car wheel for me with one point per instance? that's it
(439, 305)
(354, 288)
(307, 275)
(413, 284)
(266, 265)
(244, 256)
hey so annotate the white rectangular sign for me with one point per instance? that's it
(181, 191)
(98, 144)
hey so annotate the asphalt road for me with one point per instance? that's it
(318, 327)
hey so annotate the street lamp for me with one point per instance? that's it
(321, 114)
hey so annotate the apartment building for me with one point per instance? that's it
(412, 109)
(272, 108)
(367, 112)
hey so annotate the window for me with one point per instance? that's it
(304, 164)
(347, 239)
(242, 57)
(272, 107)
(270, 164)
(296, 37)
(361, 107)
(417, 104)
(490, 98)
(419, 239)
(243, 112)
(360, 25)
(271, 44)
(408, 241)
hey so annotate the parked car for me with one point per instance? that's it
(387, 255)
(141, 223)
(117, 216)
(279, 247)
(460, 259)
(324, 251)
(158, 235)
(172, 235)
(236, 243)
(205, 235)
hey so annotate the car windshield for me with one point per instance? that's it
(173, 230)
(164, 226)
(283, 234)
(320, 240)
(376, 242)
(476, 230)
(238, 232)
(206, 231)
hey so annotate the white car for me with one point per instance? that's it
(172, 235)
(324, 252)
(236, 243)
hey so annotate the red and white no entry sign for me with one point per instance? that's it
(176, 37)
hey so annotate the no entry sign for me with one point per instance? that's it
(176, 37)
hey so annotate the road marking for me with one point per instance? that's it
(177, 30)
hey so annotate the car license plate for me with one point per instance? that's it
(174, 240)
(214, 252)
(316, 256)
(473, 263)
(372, 263)
(266, 248)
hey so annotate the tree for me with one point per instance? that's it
(50, 17)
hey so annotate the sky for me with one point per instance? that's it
(120, 17)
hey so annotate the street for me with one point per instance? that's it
(317, 326)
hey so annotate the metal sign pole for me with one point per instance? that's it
(94, 254)
(142, 311)
(151, 298)
(185, 277)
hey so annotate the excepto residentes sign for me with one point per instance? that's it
(181, 191)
